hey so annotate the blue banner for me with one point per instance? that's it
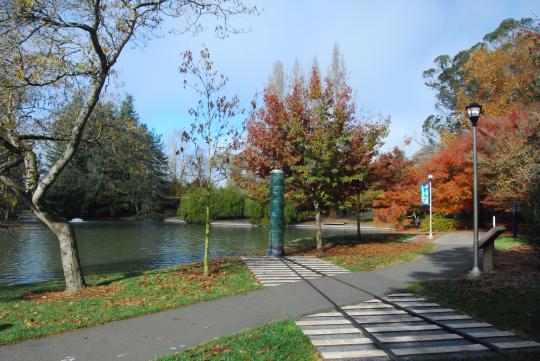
(424, 194)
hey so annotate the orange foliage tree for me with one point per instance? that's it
(509, 164)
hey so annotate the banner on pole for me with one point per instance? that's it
(424, 194)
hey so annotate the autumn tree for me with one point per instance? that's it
(212, 134)
(397, 178)
(499, 73)
(316, 138)
(55, 49)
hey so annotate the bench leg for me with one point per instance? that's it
(488, 258)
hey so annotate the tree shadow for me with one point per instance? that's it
(5, 326)
(445, 262)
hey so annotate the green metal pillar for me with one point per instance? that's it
(275, 236)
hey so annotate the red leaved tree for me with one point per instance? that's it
(314, 136)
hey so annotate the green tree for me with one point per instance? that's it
(126, 174)
(52, 50)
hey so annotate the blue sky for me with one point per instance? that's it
(386, 45)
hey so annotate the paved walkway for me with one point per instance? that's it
(406, 327)
(143, 338)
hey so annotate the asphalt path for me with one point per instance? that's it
(146, 337)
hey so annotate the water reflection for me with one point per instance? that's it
(31, 253)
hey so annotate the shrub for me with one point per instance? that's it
(257, 213)
(225, 203)
(292, 215)
(192, 205)
(228, 203)
(441, 223)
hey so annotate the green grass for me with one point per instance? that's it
(272, 342)
(509, 308)
(505, 242)
(32, 311)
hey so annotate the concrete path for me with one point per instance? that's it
(145, 337)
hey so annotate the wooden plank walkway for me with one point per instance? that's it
(273, 271)
(408, 337)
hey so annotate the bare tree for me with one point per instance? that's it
(213, 134)
(51, 50)
(277, 80)
(337, 71)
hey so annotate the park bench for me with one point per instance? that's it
(487, 243)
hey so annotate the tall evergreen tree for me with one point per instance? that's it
(126, 174)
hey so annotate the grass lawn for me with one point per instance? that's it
(506, 242)
(40, 309)
(375, 251)
(272, 342)
(509, 298)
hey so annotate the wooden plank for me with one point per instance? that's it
(366, 306)
(342, 341)
(460, 325)
(496, 333)
(431, 310)
(400, 328)
(363, 313)
(335, 355)
(323, 322)
(438, 349)
(516, 344)
(400, 295)
(331, 331)
(419, 338)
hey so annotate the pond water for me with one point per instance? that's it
(31, 254)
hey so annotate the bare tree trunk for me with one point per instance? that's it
(358, 230)
(318, 233)
(69, 253)
(206, 240)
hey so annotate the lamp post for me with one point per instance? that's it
(473, 112)
(430, 178)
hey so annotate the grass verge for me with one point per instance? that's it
(375, 251)
(506, 242)
(32, 311)
(272, 342)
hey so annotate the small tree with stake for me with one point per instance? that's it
(212, 133)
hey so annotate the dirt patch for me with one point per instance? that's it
(518, 266)
(92, 291)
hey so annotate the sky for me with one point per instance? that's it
(386, 46)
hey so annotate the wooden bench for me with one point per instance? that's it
(487, 243)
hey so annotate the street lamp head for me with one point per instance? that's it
(473, 112)
(430, 176)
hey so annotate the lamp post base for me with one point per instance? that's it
(475, 273)
(430, 236)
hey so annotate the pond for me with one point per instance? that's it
(31, 254)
